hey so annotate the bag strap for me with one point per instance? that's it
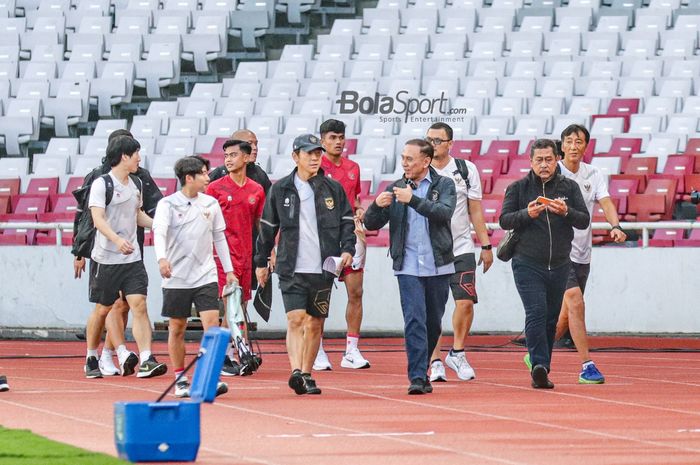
(463, 171)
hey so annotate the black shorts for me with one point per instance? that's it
(463, 281)
(177, 303)
(108, 280)
(307, 291)
(578, 276)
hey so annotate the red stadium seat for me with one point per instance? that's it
(640, 178)
(641, 165)
(665, 237)
(623, 106)
(50, 238)
(350, 147)
(590, 150)
(43, 186)
(692, 147)
(382, 187)
(492, 209)
(18, 236)
(466, 149)
(4, 204)
(365, 187)
(526, 152)
(166, 185)
(218, 147)
(693, 239)
(519, 167)
(498, 191)
(64, 207)
(380, 240)
(691, 182)
(666, 187)
(9, 186)
(27, 208)
(679, 166)
(215, 159)
(489, 169)
(645, 207)
(74, 183)
(620, 189)
(601, 236)
(502, 150)
(625, 147)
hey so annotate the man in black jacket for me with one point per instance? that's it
(543, 208)
(418, 208)
(313, 217)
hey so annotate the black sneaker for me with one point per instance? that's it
(128, 366)
(221, 388)
(296, 382)
(565, 343)
(310, 384)
(428, 388)
(417, 386)
(92, 368)
(540, 380)
(151, 368)
(3, 384)
(249, 364)
(230, 367)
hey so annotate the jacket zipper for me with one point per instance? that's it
(549, 228)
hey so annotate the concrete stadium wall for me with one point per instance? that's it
(653, 290)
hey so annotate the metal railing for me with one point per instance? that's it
(642, 226)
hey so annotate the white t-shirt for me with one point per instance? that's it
(121, 214)
(188, 226)
(309, 253)
(594, 186)
(461, 223)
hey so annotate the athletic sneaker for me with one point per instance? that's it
(540, 380)
(128, 365)
(427, 387)
(151, 368)
(92, 368)
(322, 363)
(310, 384)
(527, 361)
(354, 359)
(458, 362)
(230, 367)
(296, 382)
(182, 387)
(417, 387)
(107, 367)
(437, 372)
(3, 384)
(591, 375)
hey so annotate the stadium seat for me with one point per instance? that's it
(645, 207)
(666, 237)
(625, 147)
(621, 189)
(693, 239)
(9, 187)
(466, 149)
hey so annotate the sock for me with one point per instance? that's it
(145, 355)
(455, 351)
(585, 364)
(178, 372)
(351, 342)
(435, 360)
(122, 352)
(91, 353)
(107, 353)
(320, 346)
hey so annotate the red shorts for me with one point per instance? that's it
(348, 270)
(244, 274)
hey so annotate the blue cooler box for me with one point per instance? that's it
(170, 431)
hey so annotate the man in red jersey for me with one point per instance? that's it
(241, 200)
(347, 173)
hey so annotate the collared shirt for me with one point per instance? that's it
(418, 256)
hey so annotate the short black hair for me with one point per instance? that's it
(445, 127)
(332, 125)
(241, 144)
(189, 166)
(118, 146)
(540, 144)
(574, 129)
(119, 132)
(425, 148)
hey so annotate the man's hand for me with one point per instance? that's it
(486, 258)
(231, 278)
(164, 266)
(558, 207)
(618, 235)
(124, 246)
(384, 199)
(404, 194)
(360, 231)
(359, 214)
(262, 274)
(345, 260)
(78, 267)
(534, 209)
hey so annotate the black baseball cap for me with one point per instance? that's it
(307, 143)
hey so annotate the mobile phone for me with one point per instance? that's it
(544, 200)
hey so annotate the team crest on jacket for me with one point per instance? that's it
(286, 201)
(251, 199)
(587, 186)
(434, 196)
(351, 176)
(330, 203)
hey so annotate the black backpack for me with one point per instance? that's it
(84, 229)
(463, 171)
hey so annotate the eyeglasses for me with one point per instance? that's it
(232, 154)
(436, 141)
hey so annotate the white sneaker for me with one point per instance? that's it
(437, 372)
(354, 359)
(182, 387)
(322, 363)
(458, 362)
(107, 367)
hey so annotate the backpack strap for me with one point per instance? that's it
(463, 171)
(109, 188)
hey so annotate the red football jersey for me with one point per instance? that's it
(242, 206)
(347, 174)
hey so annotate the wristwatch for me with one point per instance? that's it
(617, 226)
(486, 247)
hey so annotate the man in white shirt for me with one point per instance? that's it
(468, 211)
(117, 256)
(186, 224)
(594, 187)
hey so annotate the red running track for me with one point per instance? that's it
(648, 412)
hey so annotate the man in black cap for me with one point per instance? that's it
(314, 219)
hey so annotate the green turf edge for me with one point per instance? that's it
(22, 447)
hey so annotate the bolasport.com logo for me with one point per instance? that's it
(400, 106)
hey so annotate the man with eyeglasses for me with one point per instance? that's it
(241, 200)
(468, 212)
